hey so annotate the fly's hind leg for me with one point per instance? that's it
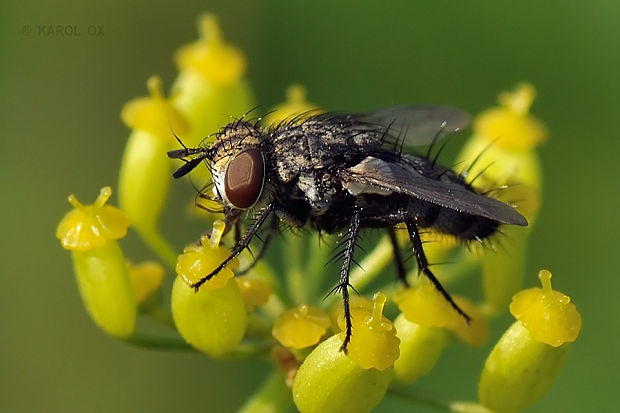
(414, 236)
(398, 258)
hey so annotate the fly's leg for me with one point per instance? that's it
(414, 236)
(239, 246)
(343, 285)
(398, 258)
(273, 228)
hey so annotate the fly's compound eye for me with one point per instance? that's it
(245, 177)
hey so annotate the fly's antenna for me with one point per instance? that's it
(197, 155)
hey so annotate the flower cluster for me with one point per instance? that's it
(284, 316)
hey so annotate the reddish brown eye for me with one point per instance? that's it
(245, 177)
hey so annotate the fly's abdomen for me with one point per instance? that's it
(449, 221)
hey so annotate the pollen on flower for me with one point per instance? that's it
(215, 59)
(510, 124)
(357, 304)
(373, 343)
(90, 226)
(145, 277)
(199, 260)
(424, 305)
(301, 327)
(154, 113)
(549, 315)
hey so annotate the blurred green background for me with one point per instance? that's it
(60, 133)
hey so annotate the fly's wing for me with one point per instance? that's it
(376, 176)
(418, 125)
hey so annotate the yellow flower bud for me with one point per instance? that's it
(199, 260)
(212, 319)
(518, 371)
(502, 150)
(356, 302)
(528, 357)
(255, 291)
(90, 231)
(145, 173)
(329, 381)
(548, 314)
(210, 87)
(145, 278)
(89, 226)
(511, 122)
(373, 341)
(295, 104)
(420, 349)
(300, 327)
(476, 331)
(424, 305)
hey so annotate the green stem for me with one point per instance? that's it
(456, 406)
(273, 397)
(296, 283)
(157, 343)
(315, 268)
(160, 246)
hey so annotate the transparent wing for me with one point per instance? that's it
(376, 176)
(418, 125)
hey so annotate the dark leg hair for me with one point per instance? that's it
(414, 236)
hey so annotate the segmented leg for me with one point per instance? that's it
(343, 285)
(273, 228)
(414, 236)
(239, 246)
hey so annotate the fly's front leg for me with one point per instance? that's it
(239, 246)
(414, 236)
(343, 285)
(273, 228)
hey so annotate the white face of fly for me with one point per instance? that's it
(218, 174)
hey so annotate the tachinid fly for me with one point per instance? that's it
(345, 172)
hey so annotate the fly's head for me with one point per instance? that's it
(237, 164)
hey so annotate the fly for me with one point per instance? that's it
(342, 173)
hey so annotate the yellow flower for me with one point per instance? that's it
(530, 354)
(424, 305)
(420, 349)
(255, 291)
(213, 318)
(300, 327)
(145, 173)
(91, 226)
(502, 154)
(373, 341)
(90, 232)
(549, 315)
(210, 87)
(145, 278)
(474, 332)
(329, 381)
(294, 105)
